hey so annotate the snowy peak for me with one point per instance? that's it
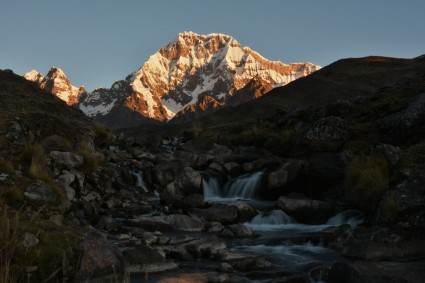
(34, 76)
(57, 83)
(199, 70)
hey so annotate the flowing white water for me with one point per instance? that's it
(140, 181)
(243, 187)
(351, 216)
(210, 187)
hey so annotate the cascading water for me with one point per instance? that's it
(210, 187)
(243, 187)
(140, 181)
(352, 217)
(274, 217)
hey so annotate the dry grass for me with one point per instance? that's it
(11, 234)
(6, 166)
(366, 181)
(103, 137)
(92, 161)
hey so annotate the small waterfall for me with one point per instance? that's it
(210, 187)
(140, 182)
(351, 216)
(243, 187)
(274, 217)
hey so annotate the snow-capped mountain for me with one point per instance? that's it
(192, 66)
(57, 83)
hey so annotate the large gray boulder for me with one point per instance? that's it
(99, 258)
(306, 210)
(185, 223)
(67, 159)
(40, 191)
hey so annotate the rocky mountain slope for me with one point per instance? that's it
(337, 185)
(183, 73)
(57, 83)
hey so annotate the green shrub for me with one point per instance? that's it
(366, 181)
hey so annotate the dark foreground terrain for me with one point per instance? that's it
(322, 180)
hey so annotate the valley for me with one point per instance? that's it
(278, 173)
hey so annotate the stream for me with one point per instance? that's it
(290, 247)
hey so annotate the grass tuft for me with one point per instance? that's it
(366, 181)
(92, 161)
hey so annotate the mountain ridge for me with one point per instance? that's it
(191, 66)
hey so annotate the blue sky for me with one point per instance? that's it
(97, 42)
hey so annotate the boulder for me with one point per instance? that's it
(99, 258)
(185, 223)
(165, 172)
(40, 191)
(217, 212)
(306, 210)
(154, 223)
(188, 181)
(225, 213)
(326, 134)
(392, 153)
(241, 231)
(18, 132)
(66, 159)
(407, 122)
(277, 179)
(233, 168)
(143, 255)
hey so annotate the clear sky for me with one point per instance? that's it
(97, 42)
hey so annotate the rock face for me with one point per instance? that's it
(200, 70)
(57, 83)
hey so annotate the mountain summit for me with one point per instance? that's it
(57, 83)
(192, 66)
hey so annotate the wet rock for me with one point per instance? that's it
(165, 172)
(189, 181)
(249, 264)
(262, 163)
(99, 257)
(326, 134)
(143, 255)
(225, 213)
(208, 247)
(277, 179)
(40, 191)
(306, 210)
(177, 252)
(67, 159)
(185, 223)
(214, 227)
(233, 168)
(225, 267)
(186, 278)
(154, 223)
(241, 231)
